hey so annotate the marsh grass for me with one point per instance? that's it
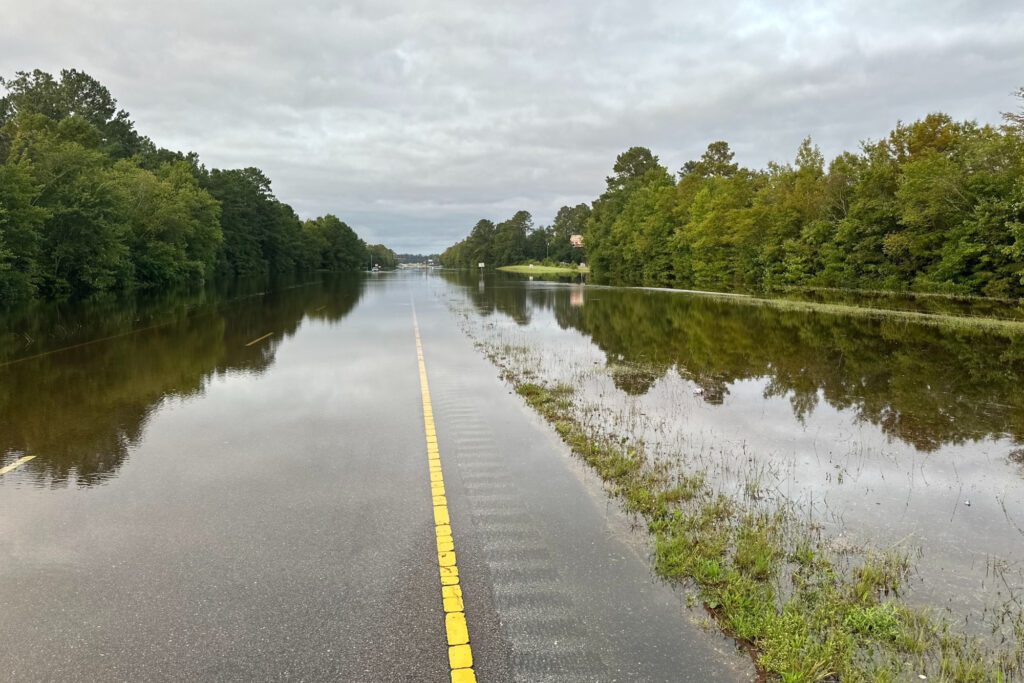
(805, 611)
(634, 373)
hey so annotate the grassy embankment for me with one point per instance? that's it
(545, 270)
(805, 611)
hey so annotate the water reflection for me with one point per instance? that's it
(924, 385)
(78, 381)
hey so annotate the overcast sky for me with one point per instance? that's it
(412, 120)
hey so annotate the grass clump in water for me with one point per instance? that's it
(770, 582)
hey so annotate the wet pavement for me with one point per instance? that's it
(205, 506)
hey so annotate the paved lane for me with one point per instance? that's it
(279, 524)
(571, 585)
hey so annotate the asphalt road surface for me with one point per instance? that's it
(283, 524)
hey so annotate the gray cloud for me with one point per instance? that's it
(411, 120)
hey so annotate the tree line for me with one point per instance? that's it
(89, 204)
(935, 206)
(516, 240)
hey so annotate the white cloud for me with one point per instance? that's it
(411, 120)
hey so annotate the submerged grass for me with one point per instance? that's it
(945, 320)
(804, 611)
(942, 319)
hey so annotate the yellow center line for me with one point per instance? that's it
(259, 339)
(460, 655)
(16, 463)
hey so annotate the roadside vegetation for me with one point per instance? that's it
(89, 204)
(936, 205)
(803, 609)
(764, 568)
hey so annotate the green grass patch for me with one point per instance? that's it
(545, 270)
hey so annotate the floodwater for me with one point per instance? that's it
(883, 430)
(234, 486)
(79, 380)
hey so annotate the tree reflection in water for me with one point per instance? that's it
(925, 385)
(79, 410)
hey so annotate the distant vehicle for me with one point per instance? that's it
(375, 269)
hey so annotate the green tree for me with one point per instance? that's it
(719, 223)
(453, 256)
(857, 258)
(633, 169)
(479, 246)
(568, 221)
(382, 256)
(86, 203)
(633, 164)
(641, 232)
(791, 207)
(83, 241)
(75, 93)
(537, 243)
(247, 216)
(716, 161)
(509, 243)
(172, 226)
(337, 245)
(21, 232)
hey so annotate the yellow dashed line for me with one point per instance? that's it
(259, 339)
(460, 656)
(16, 463)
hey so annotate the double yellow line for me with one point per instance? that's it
(460, 656)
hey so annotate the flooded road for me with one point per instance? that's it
(883, 430)
(235, 486)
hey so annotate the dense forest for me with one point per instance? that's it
(935, 206)
(516, 240)
(88, 204)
